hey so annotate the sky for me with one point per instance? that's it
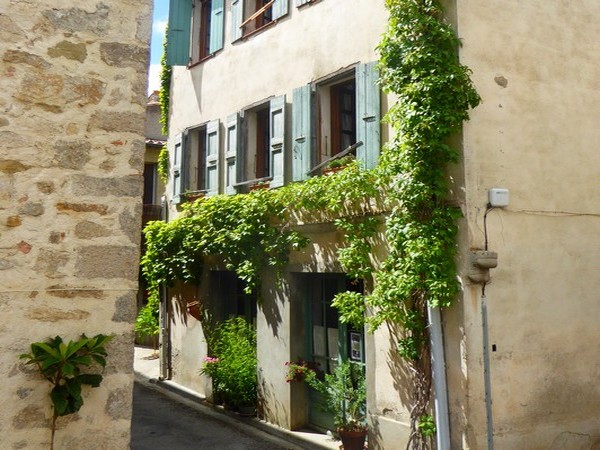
(159, 22)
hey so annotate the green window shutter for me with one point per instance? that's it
(277, 139)
(232, 141)
(178, 38)
(176, 168)
(279, 8)
(301, 2)
(212, 158)
(217, 20)
(237, 18)
(368, 115)
(301, 133)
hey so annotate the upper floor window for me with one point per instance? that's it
(248, 16)
(195, 161)
(259, 152)
(333, 115)
(203, 21)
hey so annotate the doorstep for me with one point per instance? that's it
(146, 369)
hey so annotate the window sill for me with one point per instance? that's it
(201, 60)
(249, 34)
(304, 5)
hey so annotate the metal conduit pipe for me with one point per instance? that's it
(440, 388)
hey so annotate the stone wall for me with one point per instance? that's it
(72, 107)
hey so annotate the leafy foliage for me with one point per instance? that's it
(344, 394)
(164, 93)
(61, 364)
(233, 366)
(419, 65)
(147, 320)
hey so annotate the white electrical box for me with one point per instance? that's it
(498, 197)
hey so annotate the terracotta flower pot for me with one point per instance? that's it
(193, 309)
(353, 439)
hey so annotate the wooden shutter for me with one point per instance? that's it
(217, 20)
(279, 9)
(178, 38)
(301, 2)
(301, 133)
(232, 142)
(212, 158)
(237, 17)
(277, 139)
(368, 115)
(176, 168)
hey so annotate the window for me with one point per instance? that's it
(203, 20)
(259, 153)
(333, 115)
(195, 165)
(339, 132)
(150, 182)
(231, 300)
(248, 16)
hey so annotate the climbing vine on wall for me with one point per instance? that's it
(419, 64)
(164, 100)
(254, 232)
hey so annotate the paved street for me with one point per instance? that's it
(161, 423)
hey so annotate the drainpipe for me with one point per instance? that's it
(163, 317)
(440, 389)
(486, 371)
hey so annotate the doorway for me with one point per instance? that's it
(328, 342)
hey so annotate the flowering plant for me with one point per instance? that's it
(298, 371)
(210, 366)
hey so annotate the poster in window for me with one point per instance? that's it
(355, 346)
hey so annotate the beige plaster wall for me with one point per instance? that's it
(72, 103)
(535, 133)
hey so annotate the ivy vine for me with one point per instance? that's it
(419, 64)
(164, 93)
(254, 232)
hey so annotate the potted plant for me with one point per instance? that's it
(345, 396)
(233, 365)
(338, 164)
(298, 370)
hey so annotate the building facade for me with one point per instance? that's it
(72, 108)
(269, 91)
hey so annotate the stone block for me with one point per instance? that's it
(90, 230)
(129, 122)
(107, 261)
(11, 166)
(69, 50)
(51, 262)
(32, 416)
(21, 57)
(123, 55)
(73, 154)
(83, 207)
(76, 19)
(127, 186)
(49, 314)
(32, 209)
(125, 308)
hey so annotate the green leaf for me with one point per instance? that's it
(93, 380)
(59, 396)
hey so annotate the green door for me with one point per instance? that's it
(327, 340)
